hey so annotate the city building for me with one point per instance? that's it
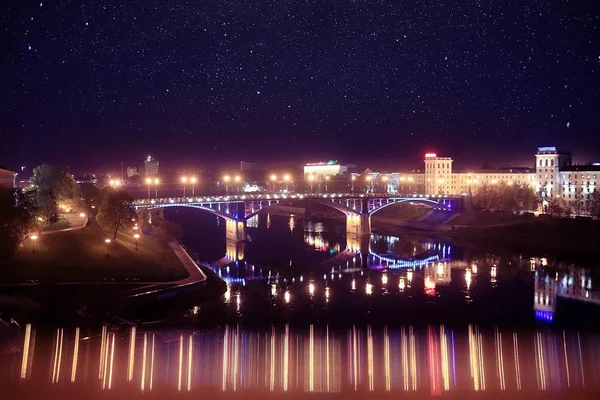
(151, 166)
(133, 171)
(438, 174)
(322, 169)
(576, 186)
(7, 178)
(548, 162)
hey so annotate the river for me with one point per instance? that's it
(407, 314)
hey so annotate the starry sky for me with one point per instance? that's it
(369, 81)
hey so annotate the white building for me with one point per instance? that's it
(438, 174)
(151, 166)
(576, 185)
(322, 169)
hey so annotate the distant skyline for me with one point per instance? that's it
(382, 82)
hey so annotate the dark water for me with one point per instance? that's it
(310, 309)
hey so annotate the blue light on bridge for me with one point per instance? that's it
(545, 316)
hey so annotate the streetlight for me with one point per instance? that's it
(82, 216)
(193, 180)
(184, 180)
(311, 179)
(227, 178)
(353, 179)
(136, 237)
(326, 181)
(107, 241)
(33, 239)
(287, 178)
(237, 182)
(369, 180)
(148, 182)
(273, 179)
(156, 182)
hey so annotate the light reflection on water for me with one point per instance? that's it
(431, 359)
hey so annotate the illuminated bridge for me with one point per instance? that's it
(237, 209)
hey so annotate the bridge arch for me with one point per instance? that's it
(426, 201)
(332, 204)
(218, 213)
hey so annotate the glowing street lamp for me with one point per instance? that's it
(156, 182)
(273, 182)
(237, 179)
(107, 241)
(184, 180)
(82, 216)
(33, 239)
(193, 180)
(326, 182)
(353, 179)
(311, 179)
(287, 179)
(148, 182)
(136, 237)
(226, 179)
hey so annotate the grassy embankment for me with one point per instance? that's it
(563, 237)
(81, 256)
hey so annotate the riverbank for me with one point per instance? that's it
(83, 256)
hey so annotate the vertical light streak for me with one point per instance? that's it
(413, 358)
(26, 344)
(404, 357)
(370, 358)
(112, 359)
(235, 357)
(517, 362)
(500, 360)
(180, 369)
(355, 357)
(311, 355)
(152, 364)
(580, 360)
(102, 354)
(144, 354)
(189, 366)
(131, 358)
(475, 359)
(57, 356)
(327, 358)
(105, 360)
(286, 357)
(566, 359)
(75, 356)
(540, 362)
(386, 359)
(225, 361)
(480, 360)
(272, 363)
(445, 360)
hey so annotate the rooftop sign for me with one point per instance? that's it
(430, 155)
(551, 148)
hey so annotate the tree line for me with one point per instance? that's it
(504, 197)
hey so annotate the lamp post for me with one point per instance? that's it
(311, 179)
(238, 179)
(326, 182)
(385, 180)
(273, 182)
(184, 180)
(156, 182)
(226, 179)
(148, 182)
(193, 180)
(136, 237)
(107, 241)
(287, 179)
(33, 239)
(369, 182)
(352, 179)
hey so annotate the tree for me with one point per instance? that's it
(558, 208)
(17, 220)
(55, 185)
(595, 205)
(116, 212)
(91, 195)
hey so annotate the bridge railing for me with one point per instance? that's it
(275, 196)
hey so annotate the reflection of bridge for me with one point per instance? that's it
(236, 210)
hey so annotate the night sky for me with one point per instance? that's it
(367, 81)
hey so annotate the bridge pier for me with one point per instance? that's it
(235, 231)
(358, 233)
(234, 250)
